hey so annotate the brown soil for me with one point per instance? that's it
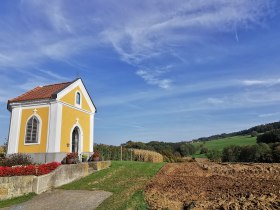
(207, 185)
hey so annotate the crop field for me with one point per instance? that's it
(207, 185)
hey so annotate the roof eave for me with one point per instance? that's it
(12, 104)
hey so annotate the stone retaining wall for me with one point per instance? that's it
(15, 186)
(20, 185)
(62, 175)
(99, 165)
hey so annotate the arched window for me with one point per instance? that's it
(32, 130)
(78, 98)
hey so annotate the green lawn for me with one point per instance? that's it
(199, 155)
(17, 200)
(125, 179)
(220, 144)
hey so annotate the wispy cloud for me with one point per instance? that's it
(153, 76)
(55, 31)
(269, 114)
(215, 101)
(151, 79)
(157, 31)
(267, 82)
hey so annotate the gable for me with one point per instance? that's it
(70, 98)
(68, 95)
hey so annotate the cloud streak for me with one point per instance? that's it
(267, 82)
(269, 114)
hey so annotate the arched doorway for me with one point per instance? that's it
(75, 139)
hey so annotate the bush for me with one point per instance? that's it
(256, 153)
(269, 137)
(169, 157)
(231, 153)
(17, 159)
(276, 152)
(214, 155)
(204, 150)
(262, 153)
(187, 149)
(254, 134)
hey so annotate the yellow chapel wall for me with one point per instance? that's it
(43, 112)
(70, 98)
(69, 119)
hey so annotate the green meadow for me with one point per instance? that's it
(220, 144)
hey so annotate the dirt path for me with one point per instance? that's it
(208, 185)
(64, 199)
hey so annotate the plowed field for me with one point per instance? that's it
(208, 185)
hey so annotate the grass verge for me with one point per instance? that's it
(17, 200)
(125, 179)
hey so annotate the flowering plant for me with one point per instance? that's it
(71, 158)
(28, 170)
(72, 155)
(96, 154)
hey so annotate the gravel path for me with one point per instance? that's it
(64, 199)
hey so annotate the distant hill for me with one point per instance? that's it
(259, 129)
(219, 141)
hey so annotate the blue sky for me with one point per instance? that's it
(157, 70)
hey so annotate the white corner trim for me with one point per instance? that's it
(54, 117)
(14, 130)
(81, 137)
(40, 129)
(58, 127)
(91, 136)
(48, 131)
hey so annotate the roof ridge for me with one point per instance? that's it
(56, 84)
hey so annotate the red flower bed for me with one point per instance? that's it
(28, 170)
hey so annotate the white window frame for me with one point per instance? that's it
(76, 93)
(39, 129)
